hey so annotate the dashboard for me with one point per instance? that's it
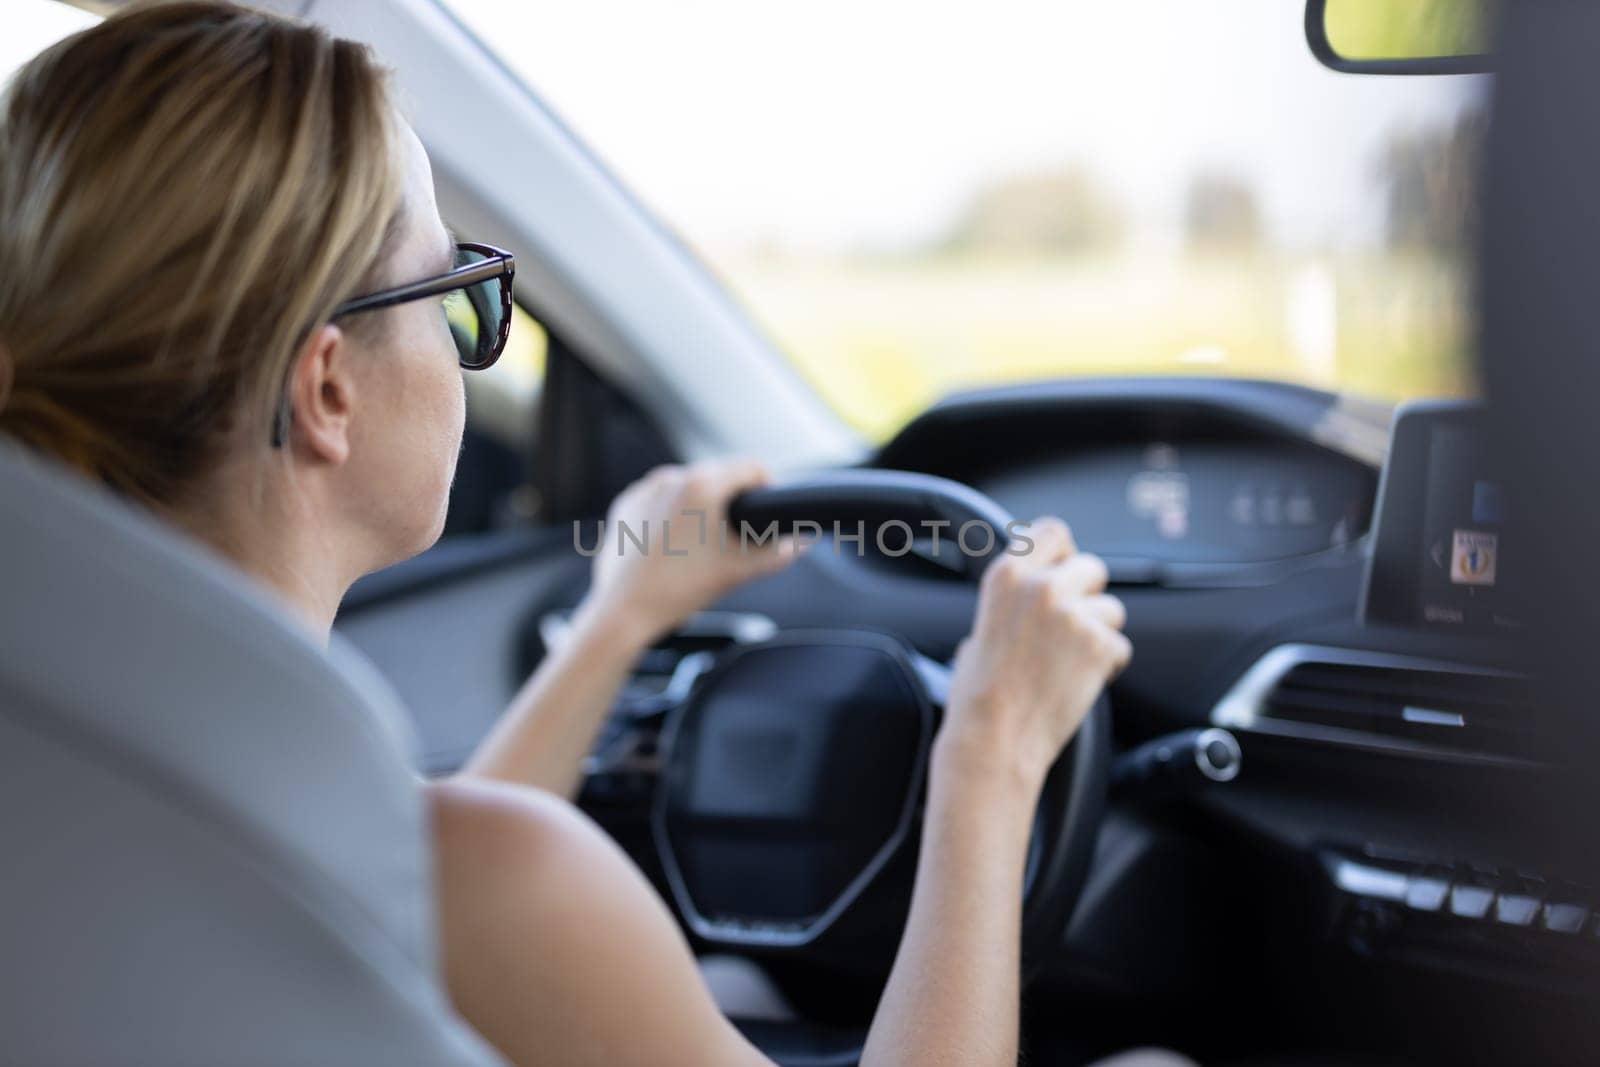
(1394, 768)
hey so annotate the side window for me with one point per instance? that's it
(34, 25)
(492, 489)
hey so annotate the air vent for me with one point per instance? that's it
(1377, 700)
(667, 666)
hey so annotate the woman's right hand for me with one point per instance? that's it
(1046, 639)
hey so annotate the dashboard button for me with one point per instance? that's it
(1365, 880)
(1515, 909)
(1426, 894)
(1565, 918)
(1470, 901)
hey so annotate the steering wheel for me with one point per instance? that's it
(789, 804)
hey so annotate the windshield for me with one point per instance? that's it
(914, 198)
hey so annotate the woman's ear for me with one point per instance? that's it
(322, 397)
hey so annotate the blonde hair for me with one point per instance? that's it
(187, 190)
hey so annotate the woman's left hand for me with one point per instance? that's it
(690, 554)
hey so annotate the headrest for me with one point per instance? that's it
(118, 633)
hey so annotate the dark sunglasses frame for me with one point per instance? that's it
(496, 264)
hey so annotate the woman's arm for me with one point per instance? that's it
(551, 724)
(1045, 641)
(557, 950)
(954, 993)
(636, 595)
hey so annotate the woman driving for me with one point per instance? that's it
(226, 293)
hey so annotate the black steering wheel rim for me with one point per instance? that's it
(1071, 807)
(878, 498)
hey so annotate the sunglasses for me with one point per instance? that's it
(477, 301)
(477, 306)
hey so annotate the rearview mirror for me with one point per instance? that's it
(1401, 36)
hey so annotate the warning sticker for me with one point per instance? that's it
(1472, 557)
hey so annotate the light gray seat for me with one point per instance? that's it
(212, 846)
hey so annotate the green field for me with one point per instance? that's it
(881, 339)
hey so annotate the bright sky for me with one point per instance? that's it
(869, 122)
(842, 123)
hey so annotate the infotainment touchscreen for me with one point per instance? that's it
(1444, 546)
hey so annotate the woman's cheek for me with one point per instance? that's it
(452, 421)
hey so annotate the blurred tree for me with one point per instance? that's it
(1059, 212)
(1404, 29)
(1430, 179)
(1220, 211)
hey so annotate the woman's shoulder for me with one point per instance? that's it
(485, 819)
(555, 945)
(504, 848)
